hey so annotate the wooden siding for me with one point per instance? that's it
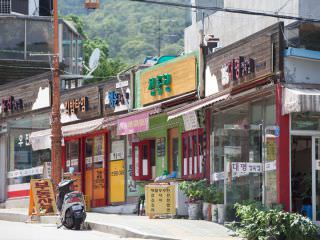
(27, 90)
(263, 47)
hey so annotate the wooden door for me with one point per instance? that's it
(173, 149)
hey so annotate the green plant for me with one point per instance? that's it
(219, 197)
(193, 189)
(260, 223)
(209, 194)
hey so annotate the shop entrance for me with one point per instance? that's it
(301, 174)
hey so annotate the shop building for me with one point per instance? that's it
(22, 111)
(25, 95)
(156, 143)
(93, 154)
(263, 134)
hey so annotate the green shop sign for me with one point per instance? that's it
(159, 84)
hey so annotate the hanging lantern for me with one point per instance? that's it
(92, 4)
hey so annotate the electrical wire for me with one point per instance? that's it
(232, 10)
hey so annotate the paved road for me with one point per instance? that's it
(24, 231)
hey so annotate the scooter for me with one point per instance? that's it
(71, 206)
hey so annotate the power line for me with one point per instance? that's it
(233, 10)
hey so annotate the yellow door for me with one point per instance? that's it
(117, 181)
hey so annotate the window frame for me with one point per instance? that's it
(140, 146)
(199, 164)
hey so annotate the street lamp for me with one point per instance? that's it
(56, 123)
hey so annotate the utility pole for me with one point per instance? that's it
(55, 117)
(159, 35)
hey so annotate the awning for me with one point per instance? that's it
(196, 105)
(82, 128)
(300, 100)
(42, 139)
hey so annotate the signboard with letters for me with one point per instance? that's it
(168, 80)
(42, 198)
(190, 121)
(26, 97)
(251, 58)
(160, 199)
(117, 96)
(76, 105)
(133, 124)
(80, 104)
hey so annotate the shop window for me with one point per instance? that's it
(143, 160)
(72, 156)
(192, 154)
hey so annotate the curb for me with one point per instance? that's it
(119, 230)
(123, 231)
(13, 217)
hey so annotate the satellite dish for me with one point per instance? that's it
(94, 59)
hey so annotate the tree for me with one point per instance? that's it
(107, 66)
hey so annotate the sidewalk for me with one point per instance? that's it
(139, 226)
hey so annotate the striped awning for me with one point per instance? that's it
(299, 100)
(196, 105)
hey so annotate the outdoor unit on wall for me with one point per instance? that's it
(5, 6)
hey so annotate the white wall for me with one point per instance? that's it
(301, 70)
(231, 27)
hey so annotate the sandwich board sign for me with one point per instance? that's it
(42, 198)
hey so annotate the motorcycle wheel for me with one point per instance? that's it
(77, 224)
(68, 221)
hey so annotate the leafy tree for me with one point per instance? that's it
(132, 29)
(107, 66)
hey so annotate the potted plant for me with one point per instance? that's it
(220, 206)
(194, 193)
(208, 199)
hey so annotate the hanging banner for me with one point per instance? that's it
(133, 124)
(246, 167)
(42, 199)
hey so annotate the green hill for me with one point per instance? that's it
(133, 30)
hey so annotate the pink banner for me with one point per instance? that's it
(133, 124)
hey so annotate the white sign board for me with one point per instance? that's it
(117, 150)
(190, 121)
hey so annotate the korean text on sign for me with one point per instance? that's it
(160, 199)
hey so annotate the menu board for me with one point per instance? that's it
(161, 147)
(160, 200)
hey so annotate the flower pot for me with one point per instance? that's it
(194, 211)
(205, 211)
(214, 213)
(221, 213)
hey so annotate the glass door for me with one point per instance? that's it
(95, 170)
(316, 179)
